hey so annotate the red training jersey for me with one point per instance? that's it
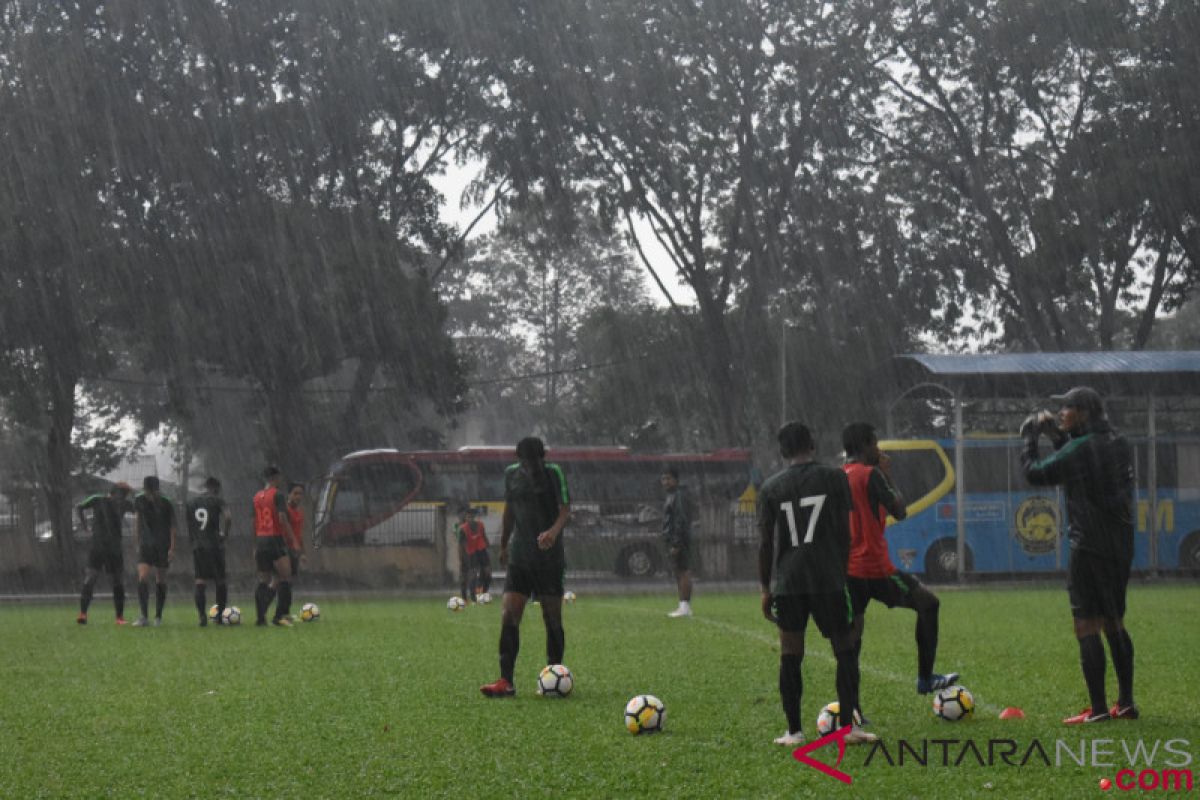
(868, 549)
(474, 536)
(267, 505)
(295, 537)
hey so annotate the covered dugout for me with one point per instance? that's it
(1152, 397)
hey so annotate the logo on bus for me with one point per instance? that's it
(1037, 525)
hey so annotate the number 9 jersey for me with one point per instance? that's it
(804, 524)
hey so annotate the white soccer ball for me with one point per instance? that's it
(555, 680)
(645, 714)
(953, 703)
(309, 612)
(233, 615)
(484, 598)
(568, 597)
(827, 720)
(456, 603)
(212, 611)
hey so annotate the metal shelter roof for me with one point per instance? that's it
(1129, 374)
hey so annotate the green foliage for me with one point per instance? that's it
(382, 697)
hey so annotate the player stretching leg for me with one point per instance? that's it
(872, 576)
(1092, 463)
(105, 554)
(209, 521)
(271, 554)
(804, 529)
(154, 535)
(536, 507)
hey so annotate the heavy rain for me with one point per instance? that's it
(374, 244)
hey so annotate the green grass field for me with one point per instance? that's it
(381, 698)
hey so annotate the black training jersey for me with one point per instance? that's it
(107, 520)
(804, 522)
(535, 501)
(204, 517)
(158, 517)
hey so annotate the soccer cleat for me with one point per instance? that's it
(860, 720)
(1086, 716)
(1119, 711)
(500, 688)
(203, 622)
(680, 612)
(790, 739)
(262, 623)
(157, 621)
(121, 621)
(82, 618)
(141, 622)
(858, 736)
(283, 622)
(936, 682)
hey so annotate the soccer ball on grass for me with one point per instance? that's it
(555, 680)
(455, 603)
(233, 616)
(645, 714)
(309, 612)
(953, 703)
(568, 597)
(827, 720)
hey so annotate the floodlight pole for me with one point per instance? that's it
(1152, 480)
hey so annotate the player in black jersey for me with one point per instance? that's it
(804, 524)
(154, 534)
(209, 520)
(108, 512)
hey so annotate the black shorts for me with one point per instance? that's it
(681, 559)
(894, 590)
(545, 580)
(269, 550)
(209, 564)
(1096, 586)
(154, 556)
(830, 610)
(110, 561)
(479, 560)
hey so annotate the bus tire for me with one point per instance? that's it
(941, 561)
(637, 561)
(1189, 551)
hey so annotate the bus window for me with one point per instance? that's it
(384, 486)
(1188, 461)
(920, 470)
(986, 469)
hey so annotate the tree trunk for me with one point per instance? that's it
(59, 458)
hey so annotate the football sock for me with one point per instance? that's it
(85, 597)
(144, 597)
(119, 598)
(285, 599)
(1121, 647)
(201, 600)
(1091, 659)
(510, 644)
(791, 685)
(927, 636)
(160, 598)
(556, 644)
(262, 600)
(848, 677)
(222, 598)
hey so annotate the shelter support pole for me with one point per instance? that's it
(1152, 479)
(960, 496)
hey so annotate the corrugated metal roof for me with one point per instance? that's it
(1165, 363)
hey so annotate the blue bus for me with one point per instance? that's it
(1012, 527)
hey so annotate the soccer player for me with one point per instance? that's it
(804, 529)
(105, 554)
(271, 554)
(1093, 465)
(536, 507)
(475, 567)
(871, 574)
(209, 521)
(154, 537)
(677, 536)
(297, 554)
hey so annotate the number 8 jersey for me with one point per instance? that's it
(804, 522)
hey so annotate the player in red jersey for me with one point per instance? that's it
(475, 566)
(871, 574)
(271, 554)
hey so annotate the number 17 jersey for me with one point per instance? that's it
(804, 513)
